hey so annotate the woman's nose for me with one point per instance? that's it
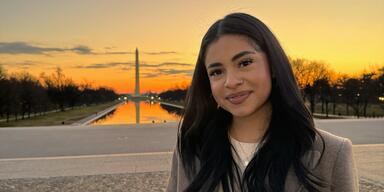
(232, 81)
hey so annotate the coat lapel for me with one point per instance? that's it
(310, 160)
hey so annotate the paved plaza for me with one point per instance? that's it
(137, 157)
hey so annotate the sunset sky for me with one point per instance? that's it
(94, 40)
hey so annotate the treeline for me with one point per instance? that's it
(176, 94)
(321, 85)
(23, 95)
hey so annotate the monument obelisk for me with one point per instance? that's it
(137, 78)
(137, 88)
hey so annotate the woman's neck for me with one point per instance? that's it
(250, 129)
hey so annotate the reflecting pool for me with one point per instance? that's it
(132, 112)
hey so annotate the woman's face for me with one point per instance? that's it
(239, 74)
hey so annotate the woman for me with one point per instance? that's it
(245, 125)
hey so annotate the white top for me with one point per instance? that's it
(243, 152)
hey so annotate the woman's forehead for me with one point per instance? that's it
(226, 46)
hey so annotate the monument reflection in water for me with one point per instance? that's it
(140, 112)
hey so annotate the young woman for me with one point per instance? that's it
(245, 125)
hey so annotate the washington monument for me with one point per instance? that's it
(137, 77)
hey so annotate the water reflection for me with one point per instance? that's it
(172, 110)
(137, 107)
(140, 112)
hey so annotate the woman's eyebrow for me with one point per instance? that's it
(242, 54)
(214, 65)
(233, 58)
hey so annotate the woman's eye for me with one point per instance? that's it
(215, 73)
(245, 62)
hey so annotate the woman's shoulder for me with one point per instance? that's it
(328, 149)
(331, 142)
(331, 158)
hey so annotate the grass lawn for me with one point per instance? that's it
(57, 118)
(372, 109)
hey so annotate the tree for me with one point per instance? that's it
(307, 73)
(28, 95)
(3, 82)
(337, 90)
(367, 93)
(175, 94)
(71, 93)
(55, 85)
(352, 95)
(379, 84)
(12, 92)
(24, 94)
(323, 89)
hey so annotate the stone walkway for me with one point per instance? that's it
(136, 170)
(369, 159)
(135, 182)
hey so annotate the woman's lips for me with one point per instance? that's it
(239, 98)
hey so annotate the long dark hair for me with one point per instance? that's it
(203, 142)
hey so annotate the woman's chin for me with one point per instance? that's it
(240, 113)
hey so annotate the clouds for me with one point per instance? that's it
(146, 70)
(104, 65)
(20, 47)
(167, 68)
(26, 64)
(161, 53)
(147, 53)
(165, 64)
(82, 49)
(25, 48)
(132, 64)
(119, 53)
(161, 72)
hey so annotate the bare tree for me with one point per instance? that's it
(338, 90)
(323, 89)
(307, 72)
(367, 93)
(27, 93)
(379, 83)
(351, 94)
(55, 85)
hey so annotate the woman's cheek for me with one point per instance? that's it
(215, 88)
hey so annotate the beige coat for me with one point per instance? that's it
(337, 166)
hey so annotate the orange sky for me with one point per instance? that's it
(93, 40)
